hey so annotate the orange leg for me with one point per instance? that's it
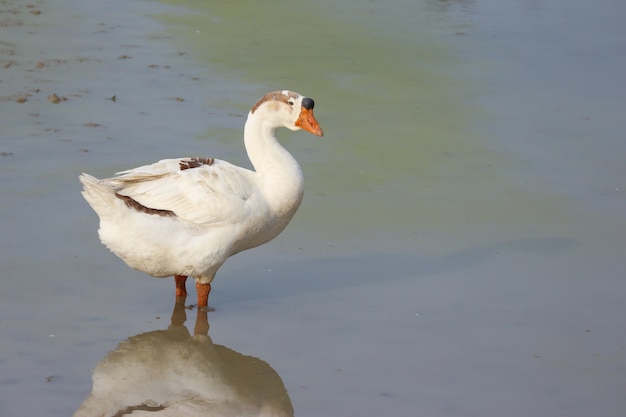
(203, 294)
(181, 291)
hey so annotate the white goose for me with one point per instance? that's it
(186, 216)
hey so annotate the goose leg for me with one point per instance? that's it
(181, 291)
(203, 294)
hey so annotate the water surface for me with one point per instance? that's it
(459, 251)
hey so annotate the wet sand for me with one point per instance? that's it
(469, 268)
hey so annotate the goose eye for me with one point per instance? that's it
(290, 102)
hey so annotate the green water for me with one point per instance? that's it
(403, 149)
(460, 271)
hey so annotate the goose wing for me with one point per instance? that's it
(198, 190)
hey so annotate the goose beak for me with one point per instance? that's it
(307, 122)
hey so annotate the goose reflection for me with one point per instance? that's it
(171, 373)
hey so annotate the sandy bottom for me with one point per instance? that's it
(513, 307)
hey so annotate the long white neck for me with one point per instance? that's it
(279, 175)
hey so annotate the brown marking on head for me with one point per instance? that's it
(130, 203)
(275, 96)
(195, 162)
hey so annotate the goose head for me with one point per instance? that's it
(287, 109)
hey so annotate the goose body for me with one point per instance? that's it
(185, 216)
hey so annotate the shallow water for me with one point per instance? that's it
(460, 248)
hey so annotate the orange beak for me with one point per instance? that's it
(307, 122)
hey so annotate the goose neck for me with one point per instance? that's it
(277, 169)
